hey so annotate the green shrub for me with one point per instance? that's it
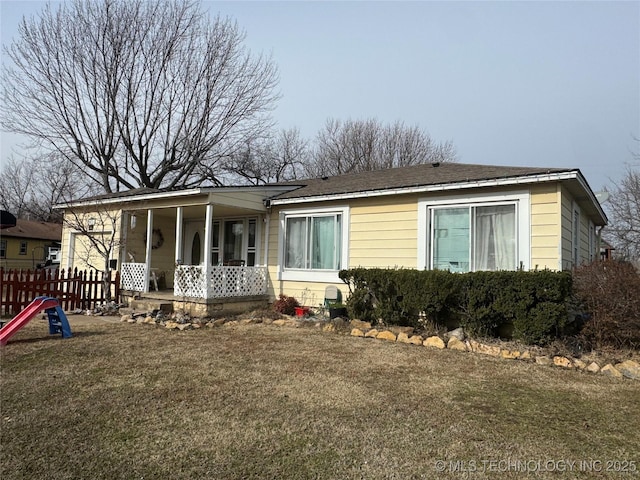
(531, 305)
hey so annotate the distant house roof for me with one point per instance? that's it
(407, 177)
(33, 229)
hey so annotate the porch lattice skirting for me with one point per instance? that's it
(219, 282)
(132, 276)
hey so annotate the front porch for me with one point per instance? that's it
(199, 290)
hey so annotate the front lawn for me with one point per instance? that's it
(120, 401)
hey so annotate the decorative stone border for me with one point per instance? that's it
(357, 328)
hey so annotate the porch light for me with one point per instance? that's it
(91, 223)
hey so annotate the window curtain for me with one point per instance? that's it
(295, 233)
(323, 243)
(495, 246)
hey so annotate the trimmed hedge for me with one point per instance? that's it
(532, 306)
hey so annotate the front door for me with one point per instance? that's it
(193, 243)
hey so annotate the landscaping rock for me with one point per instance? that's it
(218, 322)
(231, 323)
(171, 325)
(491, 350)
(629, 369)
(280, 322)
(611, 371)
(562, 362)
(386, 335)
(371, 333)
(149, 319)
(329, 327)
(579, 364)
(415, 340)
(544, 360)
(125, 318)
(359, 324)
(593, 367)
(457, 333)
(402, 338)
(455, 343)
(131, 320)
(510, 354)
(434, 341)
(526, 355)
(184, 326)
(356, 332)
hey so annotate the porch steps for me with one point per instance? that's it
(150, 305)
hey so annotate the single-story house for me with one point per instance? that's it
(28, 243)
(211, 244)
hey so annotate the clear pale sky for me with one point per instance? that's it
(510, 83)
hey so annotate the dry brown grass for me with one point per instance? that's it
(122, 401)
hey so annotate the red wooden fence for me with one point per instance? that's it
(75, 289)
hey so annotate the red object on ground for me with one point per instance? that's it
(24, 316)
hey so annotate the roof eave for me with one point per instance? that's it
(492, 182)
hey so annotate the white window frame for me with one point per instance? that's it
(521, 199)
(310, 275)
(245, 240)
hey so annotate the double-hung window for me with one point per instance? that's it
(313, 242)
(472, 234)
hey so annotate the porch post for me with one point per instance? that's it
(178, 256)
(207, 236)
(147, 257)
(124, 235)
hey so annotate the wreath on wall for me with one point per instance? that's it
(157, 239)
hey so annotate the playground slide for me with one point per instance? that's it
(20, 320)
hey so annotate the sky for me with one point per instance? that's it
(541, 84)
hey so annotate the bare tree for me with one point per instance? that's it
(30, 187)
(138, 93)
(275, 158)
(15, 184)
(624, 211)
(362, 145)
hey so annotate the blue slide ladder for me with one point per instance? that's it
(58, 322)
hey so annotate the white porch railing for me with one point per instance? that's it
(132, 276)
(220, 281)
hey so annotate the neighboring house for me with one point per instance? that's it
(28, 244)
(294, 237)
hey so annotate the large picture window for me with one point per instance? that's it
(466, 233)
(313, 244)
(467, 238)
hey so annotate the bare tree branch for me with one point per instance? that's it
(362, 145)
(138, 93)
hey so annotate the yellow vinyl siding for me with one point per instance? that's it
(545, 227)
(83, 254)
(384, 235)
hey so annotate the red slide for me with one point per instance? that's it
(20, 320)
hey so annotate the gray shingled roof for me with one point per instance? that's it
(406, 177)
